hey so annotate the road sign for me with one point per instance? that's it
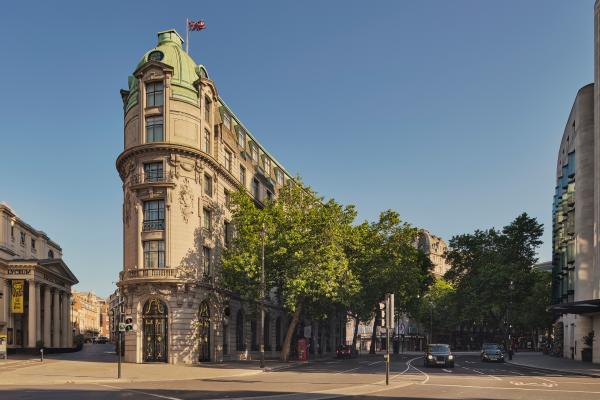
(121, 326)
(402, 328)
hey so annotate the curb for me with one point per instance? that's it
(563, 371)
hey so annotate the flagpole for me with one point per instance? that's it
(187, 36)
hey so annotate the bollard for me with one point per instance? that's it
(42, 355)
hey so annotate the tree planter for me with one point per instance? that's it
(586, 355)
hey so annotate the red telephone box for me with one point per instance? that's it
(302, 349)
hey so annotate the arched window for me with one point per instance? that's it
(240, 344)
(50, 254)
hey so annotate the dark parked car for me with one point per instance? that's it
(344, 351)
(438, 355)
(492, 352)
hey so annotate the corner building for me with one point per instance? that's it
(184, 152)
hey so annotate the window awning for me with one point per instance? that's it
(576, 307)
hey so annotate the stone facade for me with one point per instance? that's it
(90, 314)
(435, 248)
(31, 263)
(575, 275)
(184, 152)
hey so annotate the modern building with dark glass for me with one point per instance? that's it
(574, 292)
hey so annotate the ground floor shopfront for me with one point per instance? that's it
(575, 328)
(35, 306)
(179, 324)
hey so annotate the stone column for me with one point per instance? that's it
(47, 316)
(4, 300)
(38, 313)
(65, 321)
(31, 315)
(56, 319)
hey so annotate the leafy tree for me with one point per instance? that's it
(492, 270)
(437, 307)
(383, 256)
(305, 259)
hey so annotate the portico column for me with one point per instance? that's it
(56, 320)
(47, 316)
(4, 302)
(31, 316)
(65, 320)
(38, 313)
(69, 321)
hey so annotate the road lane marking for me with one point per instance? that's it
(543, 384)
(140, 391)
(513, 388)
(426, 375)
(446, 370)
(483, 373)
(376, 362)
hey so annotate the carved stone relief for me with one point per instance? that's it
(186, 200)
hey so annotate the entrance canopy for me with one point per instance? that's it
(577, 307)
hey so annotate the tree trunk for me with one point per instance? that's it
(356, 321)
(373, 336)
(285, 348)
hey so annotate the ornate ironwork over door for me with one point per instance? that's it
(204, 332)
(155, 319)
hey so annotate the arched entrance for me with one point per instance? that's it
(155, 316)
(204, 332)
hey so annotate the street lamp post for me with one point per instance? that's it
(431, 324)
(262, 298)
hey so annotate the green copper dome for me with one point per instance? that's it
(169, 51)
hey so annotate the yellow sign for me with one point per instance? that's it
(16, 305)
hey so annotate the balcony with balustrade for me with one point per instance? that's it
(135, 275)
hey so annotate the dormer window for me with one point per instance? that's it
(50, 254)
(154, 94)
(22, 238)
(227, 120)
(279, 176)
(254, 153)
(241, 138)
(154, 129)
(267, 165)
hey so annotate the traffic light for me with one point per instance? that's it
(382, 314)
(128, 323)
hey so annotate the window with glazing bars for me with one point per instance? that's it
(208, 185)
(154, 254)
(206, 260)
(243, 176)
(206, 216)
(154, 129)
(228, 160)
(154, 94)
(153, 172)
(154, 215)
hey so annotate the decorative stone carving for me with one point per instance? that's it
(128, 206)
(186, 200)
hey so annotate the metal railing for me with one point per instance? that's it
(158, 225)
(151, 178)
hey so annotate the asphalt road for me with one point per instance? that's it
(362, 378)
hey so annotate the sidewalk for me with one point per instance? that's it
(557, 364)
(81, 368)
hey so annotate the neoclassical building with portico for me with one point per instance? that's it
(35, 286)
(184, 152)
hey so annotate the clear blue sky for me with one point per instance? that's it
(450, 112)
